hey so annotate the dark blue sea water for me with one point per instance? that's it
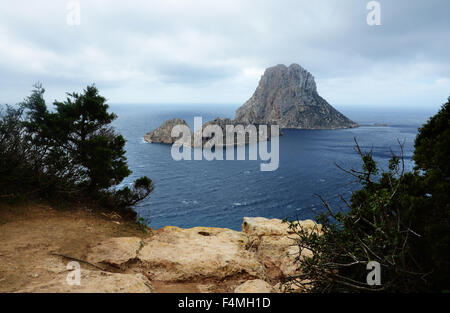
(221, 193)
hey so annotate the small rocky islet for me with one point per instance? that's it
(286, 96)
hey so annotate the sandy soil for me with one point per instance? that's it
(30, 234)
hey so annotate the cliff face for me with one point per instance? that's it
(288, 96)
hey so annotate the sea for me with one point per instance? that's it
(220, 193)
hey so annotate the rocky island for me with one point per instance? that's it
(288, 97)
(163, 133)
(285, 96)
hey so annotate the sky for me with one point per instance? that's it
(215, 51)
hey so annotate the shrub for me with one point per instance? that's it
(67, 153)
(400, 220)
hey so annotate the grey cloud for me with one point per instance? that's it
(209, 47)
(193, 74)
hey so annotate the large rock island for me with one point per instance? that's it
(285, 96)
(288, 97)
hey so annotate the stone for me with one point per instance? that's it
(265, 249)
(115, 251)
(275, 245)
(95, 282)
(254, 286)
(175, 254)
(261, 226)
(288, 96)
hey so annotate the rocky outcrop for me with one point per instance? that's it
(95, 282)
(239, 133)
(288, 96)
(115, 251)
(254, 286)
(163, 133)
(265, 250)
(275, 246)
(176, 254)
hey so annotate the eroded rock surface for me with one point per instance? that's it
(95, 282)
(115, 251)
(254, 286)
(275, 245)
(265, 251)
(182, 254)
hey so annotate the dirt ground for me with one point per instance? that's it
(31, 235)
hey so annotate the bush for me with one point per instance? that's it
(67, 154)
(18, 176)
(400, 220)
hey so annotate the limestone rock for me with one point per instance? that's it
(115, 251)
(175, 254)
(254, 286)
(163, 133)
(275, 244)
(288, 96)
(265, 249)
(95, 282)
(261, 226)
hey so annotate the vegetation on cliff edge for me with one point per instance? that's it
(399, 219)
(71, 153)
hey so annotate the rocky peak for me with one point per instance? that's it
(288, 96)
(281, 76)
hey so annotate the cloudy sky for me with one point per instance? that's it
(214, 51)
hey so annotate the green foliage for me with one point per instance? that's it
(432, 216)
(142, 188)
(16, 170)
(432, 145)
(400, 220)
(76, 153)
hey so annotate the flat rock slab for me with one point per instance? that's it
(176, 254)
(254, 286)
(95, 282)
(115, 251)
(261, 226)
